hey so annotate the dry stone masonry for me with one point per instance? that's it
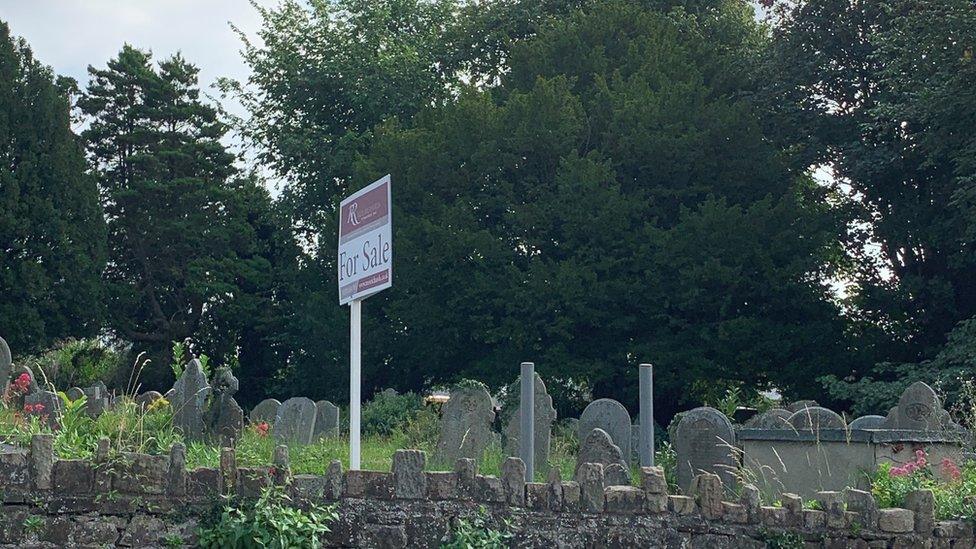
(136, 500)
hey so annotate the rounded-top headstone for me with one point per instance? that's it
(919, 408)
(74, 393)
(777, 418)
(704, 441)
(868, 422)
(801, 404)
(612, 417)
(266, 411)
(465, 426)
(816, 418)
(326, 420)
(295, 421)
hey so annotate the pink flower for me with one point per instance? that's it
(950, 469)
(897, 472)
(262, 428)
(920, 454)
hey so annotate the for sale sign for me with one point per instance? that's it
(365, 242)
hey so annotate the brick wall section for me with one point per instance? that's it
(142, 501)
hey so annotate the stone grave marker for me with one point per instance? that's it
(612, 417)
(777, 418)
(545, 417)
(919, 409)
(146, 399)
(702, 442)
(49, 404)
(6, 361)
(97, 399)
(295, 421)
(816, 418)
(801, 404)
(225, 419)
(465, 427)
(74, 393)
(597, 447)
(868, 422)
(266, 411)
(189, 401)
(326, 420)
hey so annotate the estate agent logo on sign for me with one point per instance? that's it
(365, 242)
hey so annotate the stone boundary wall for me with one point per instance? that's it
(137, 500)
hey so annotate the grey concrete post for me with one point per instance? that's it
(527, 431)
(646, 443)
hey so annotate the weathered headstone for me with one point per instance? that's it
(801, 404)
(919, 408)
(295, 421)
(777, 418)
(96, 399)
(45, 405)
(612, 417)
(189, 401)
(704, 442)
(868, 422)
(816, 418)
(265, 412)
(465, 426)
(597, 447)
(225, 419)
(6, 360)
(326, 420)
(545, 416)
(74, 393)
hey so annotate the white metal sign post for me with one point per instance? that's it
(365, 267)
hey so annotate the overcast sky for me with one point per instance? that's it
(69, 35)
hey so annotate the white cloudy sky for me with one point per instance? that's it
(72, 34)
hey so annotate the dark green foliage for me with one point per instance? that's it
(80, 363)
(271, 521)
(52, 236)
(388, 412)
(195, 249)
(886, 93)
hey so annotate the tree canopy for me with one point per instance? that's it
(52, 236)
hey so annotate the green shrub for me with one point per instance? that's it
(477, 534)
(891, 484)
(270, 522)
(389, 412)
(78, 363)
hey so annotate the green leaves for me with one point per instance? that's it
(269, 522)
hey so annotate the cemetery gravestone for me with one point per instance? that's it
(919, 408)
(868, 422)
(612, 417)
(326, 420)
(597, 447)
(189, 400)
(545, 416)
(265, 412)
(6, 360)
(465, 427)
(146, 399)
(295, 421)
(74, 393)
(703, 443)
(48, 406)
(801, 404)
(816, 419)
(225, 419)
(777, 418)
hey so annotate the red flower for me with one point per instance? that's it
(34, 408)
(262, 428)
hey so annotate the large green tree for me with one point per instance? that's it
(612, 200)
(52, 235)
(191, 253)
(885, 94)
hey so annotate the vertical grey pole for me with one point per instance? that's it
(527, 431)
(646, 415)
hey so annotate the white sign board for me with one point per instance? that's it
(365, 242)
